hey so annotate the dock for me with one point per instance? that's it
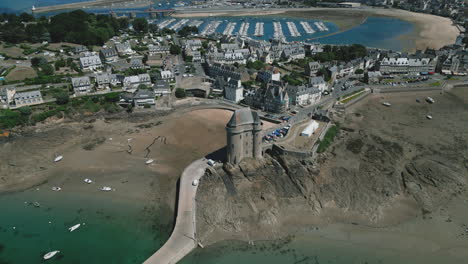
(210, 28)
(321, 26)
(179, 24)
(184, 236)
(259, 29)
(166, 23)
(278, 34)
(307, 28)
(293, 29)
(229, 28)
(244, 29)
(196, 23)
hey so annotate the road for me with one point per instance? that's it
(183, 238)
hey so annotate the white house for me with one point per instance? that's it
(90, 63)
(81, 85)
(234, 91)
(167, 75)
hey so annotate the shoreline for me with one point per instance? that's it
(430, 31)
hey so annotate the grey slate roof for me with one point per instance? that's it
(243, 116)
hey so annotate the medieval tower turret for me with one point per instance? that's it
(244, 136)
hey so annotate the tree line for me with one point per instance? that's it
(76, 27)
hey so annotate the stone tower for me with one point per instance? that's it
(244, 136)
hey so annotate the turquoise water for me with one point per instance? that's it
(115, 231)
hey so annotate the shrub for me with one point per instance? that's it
(328, 139)
(180, 93)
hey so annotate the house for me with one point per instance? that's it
(303, 95)
(226, 71)
(27, 98)
(159, 49)
(109, 54)
(81, 85)
(319, 83)
(293, 53)
(405, 65)
(108, 80)
(79, 49)
(132, 82)
(193, 44)
(229, 46)
(274, 98)
(167, 75)
(90, 63)
(233, 90)
(374, 77)
(156, 60)
(269, 75)
(229, 58)
(195, 54)
(162, 88)
(124, 48)
(144, 98)
(136, 63)
(312, 68)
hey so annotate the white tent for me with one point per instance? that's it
(310, 129)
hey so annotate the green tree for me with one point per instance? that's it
(140, 24)
(175, 50)
(359, 71)
(47, 69)
(25, 110)
(62, 98)
(38, 61)
(180, 93)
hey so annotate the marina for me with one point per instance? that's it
(195, 23)
(293, 29)
(179, 24)
(210, 28)
(229, 29)
(307, 28)
(259, 29)
(321, 26)
(278, 30)
(166, 23)
(243, 31)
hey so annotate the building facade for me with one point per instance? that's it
(244, 136)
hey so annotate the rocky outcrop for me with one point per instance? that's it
(373, 174)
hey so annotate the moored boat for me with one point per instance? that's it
(73, 228)
(51, 254)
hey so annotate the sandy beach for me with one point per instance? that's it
(430, 31)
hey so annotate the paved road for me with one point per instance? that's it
(183, 237)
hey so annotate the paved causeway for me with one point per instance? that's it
(183, 237)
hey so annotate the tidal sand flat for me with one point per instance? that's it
(124, 225)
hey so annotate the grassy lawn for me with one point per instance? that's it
(20, 73)
(344, 101)
(435, 83)
(328, 138)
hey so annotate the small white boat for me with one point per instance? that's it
(36, 204)
(51, 254)
(106, 188)
(430, 100)
(387, 104)
(429, 117)
(195, 183)
(88, 181)
(73, 228)
(58, 158)
(55, 188)
(149, 161)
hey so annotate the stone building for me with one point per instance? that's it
(244, 136)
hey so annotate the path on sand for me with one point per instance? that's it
(183, 237)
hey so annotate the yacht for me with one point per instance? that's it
(106, 188)
(51, 254)
(88, 181)
(73, 228)
(149, 161)
(55, 188)
(58, 158)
